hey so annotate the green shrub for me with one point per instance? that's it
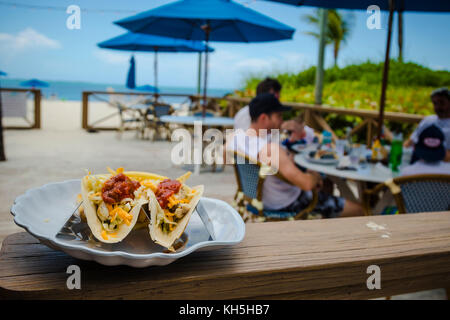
(358, 86)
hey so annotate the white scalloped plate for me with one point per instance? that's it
(43, 211)
(322, 161)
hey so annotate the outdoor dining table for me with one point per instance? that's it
(205, 121)
(302, 259)
(368, 172)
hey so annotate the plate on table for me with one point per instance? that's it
(299, 147)
(43, 211)
(325, 161)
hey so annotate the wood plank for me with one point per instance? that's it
(296, 259)
(37, 108)
(85, 110)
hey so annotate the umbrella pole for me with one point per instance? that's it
(199, 77)
(2, 148)
(155, 67)
(385, 70)
(207, 30)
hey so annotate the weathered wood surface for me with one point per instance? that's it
(319, 259)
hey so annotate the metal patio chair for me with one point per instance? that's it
(250, 177)
(412, 194)
(154, 115)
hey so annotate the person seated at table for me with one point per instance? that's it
(299, 133)
(294, 195)
(441, 103)
(430, 153)
(242, 118)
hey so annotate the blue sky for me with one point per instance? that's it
(37, 43)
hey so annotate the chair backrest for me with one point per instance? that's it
(423, 193)
(248, 176)
(161, 110)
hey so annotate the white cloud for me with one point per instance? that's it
(27, 39)
(252, 64)
(111, 57)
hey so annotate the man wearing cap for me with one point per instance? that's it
(430, 153)
(294, 195)
(441, 118)
(242, 118)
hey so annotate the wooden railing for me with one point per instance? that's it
(330, 260)
(85, 105)
(314, 114)
(36, 124)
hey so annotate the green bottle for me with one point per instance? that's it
(395, 156)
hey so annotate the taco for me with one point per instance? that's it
(171, 203)
(112, 202)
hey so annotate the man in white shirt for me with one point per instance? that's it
(441, 103)
(242, 118)
(430, 153)
(294, 195)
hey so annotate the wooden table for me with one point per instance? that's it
(221, 122)
(316, 259)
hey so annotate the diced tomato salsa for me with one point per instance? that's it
(119, 187)
(165, 190)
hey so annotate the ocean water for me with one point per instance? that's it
(70, 90)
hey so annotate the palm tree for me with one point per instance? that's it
(338, 29)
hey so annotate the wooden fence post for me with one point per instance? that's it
(37, 109)
(85, 110)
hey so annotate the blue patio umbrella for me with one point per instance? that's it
(148, 88)
(150, 43)
(400, 5)
(391, 5)
(34, 83)
(131, 78)
(208, 20)
(3, 73)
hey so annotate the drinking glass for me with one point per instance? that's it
(340, 147)
(354, 156)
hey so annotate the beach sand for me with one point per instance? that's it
(61, 150)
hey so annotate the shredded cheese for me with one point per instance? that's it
(104, 235)
(149, 184)
(118, 211)
(174, 201)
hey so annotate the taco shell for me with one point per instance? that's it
(163, 238)
(90, 209)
